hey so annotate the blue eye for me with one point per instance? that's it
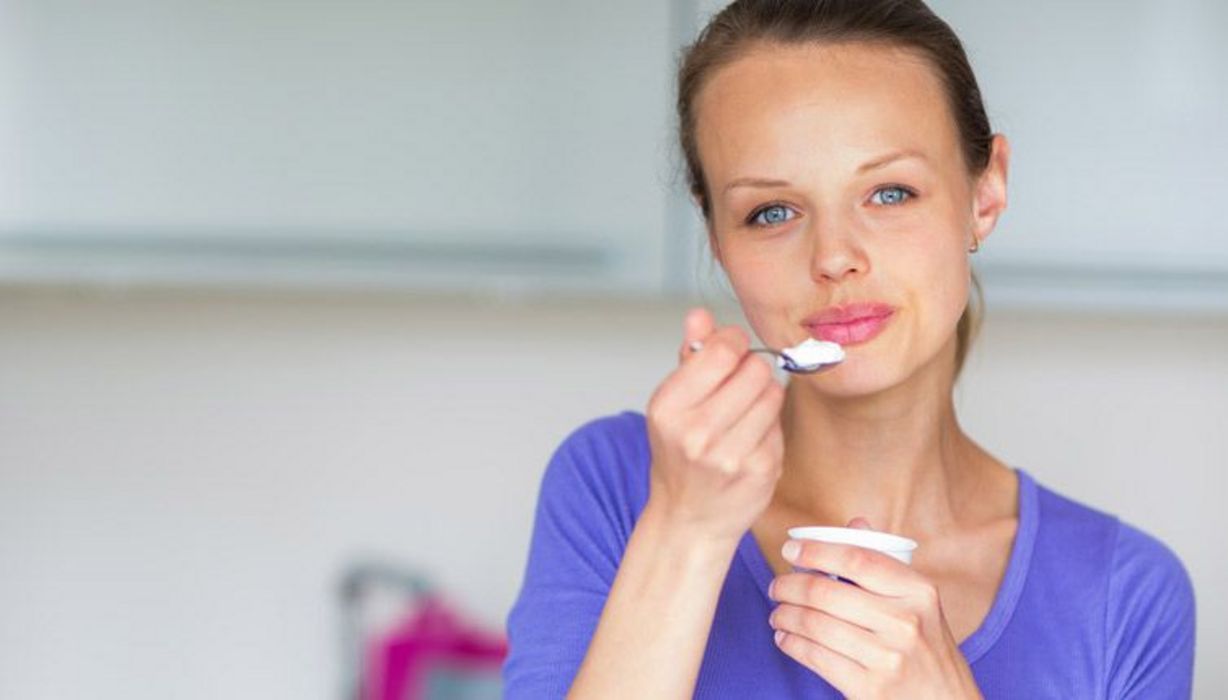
(892, 195)
(770, 215)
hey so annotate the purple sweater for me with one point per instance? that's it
(1090, 607)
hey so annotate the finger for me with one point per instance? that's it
(870, 569)
(734, 398)
(854, 605)
(703, 373)
(750, 430)
(841, 672)
(772, 448)
(697, 326)
(847, 639)
(768, 454)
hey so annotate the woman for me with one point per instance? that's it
(842, 160)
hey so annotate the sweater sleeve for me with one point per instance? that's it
(1150, 622)
(585, 511)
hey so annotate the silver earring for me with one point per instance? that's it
(976, 244)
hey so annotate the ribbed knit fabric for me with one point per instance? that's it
(1090, 607)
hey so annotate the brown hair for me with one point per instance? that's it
(908, 24)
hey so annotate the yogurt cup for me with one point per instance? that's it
(894, 546)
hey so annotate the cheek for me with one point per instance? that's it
(756, 276)
(765, 293)
(949, 299)
(945, 295)
(935, 273)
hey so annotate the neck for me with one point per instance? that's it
(897, 457)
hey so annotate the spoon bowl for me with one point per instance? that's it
(783, 360)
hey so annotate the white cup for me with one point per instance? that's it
(894, 546)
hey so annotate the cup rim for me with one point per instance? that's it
(882, 541)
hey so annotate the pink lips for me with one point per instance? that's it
(851, 323)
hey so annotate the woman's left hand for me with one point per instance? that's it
(886, 637)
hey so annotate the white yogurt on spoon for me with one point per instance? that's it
(809, 355)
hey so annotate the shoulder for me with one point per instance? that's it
(591, 494)
(1126, 553)
(601, 469)
(1150, 619)
(1118, 550)
(1147, 579)
(614, 436)
(1064, 515)
(610, 449)
(1139, 555)
(1073, 540)
(1139, 585)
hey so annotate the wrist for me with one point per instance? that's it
(681, 540)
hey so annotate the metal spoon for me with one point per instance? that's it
(783, 360)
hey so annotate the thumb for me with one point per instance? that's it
(860, 523)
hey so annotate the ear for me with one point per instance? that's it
(989, 193)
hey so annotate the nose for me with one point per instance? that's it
(835, 253)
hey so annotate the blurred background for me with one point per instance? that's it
(301, 295)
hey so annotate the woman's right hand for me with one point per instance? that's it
(714, 430)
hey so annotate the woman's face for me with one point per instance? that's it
(836, 177)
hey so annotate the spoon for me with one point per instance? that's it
(783, 360)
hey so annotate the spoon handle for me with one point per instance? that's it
(696, 346)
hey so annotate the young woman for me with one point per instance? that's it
(841, 157)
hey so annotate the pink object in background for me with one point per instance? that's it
(432, 639)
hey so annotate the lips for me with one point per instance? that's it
(848, 313)
(851, 323)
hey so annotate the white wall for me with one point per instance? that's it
(182, 476)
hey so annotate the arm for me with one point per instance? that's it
(653, 631)
(584, 512)
(1150, 621)
(716, 444)
(624, 606)
(639, 605)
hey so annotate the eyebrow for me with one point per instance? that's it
(891, 158)
(875, 164)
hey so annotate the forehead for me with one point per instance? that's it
(780, 108)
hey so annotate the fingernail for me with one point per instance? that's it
(791, 549)
(772, 589)
(779, 636)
